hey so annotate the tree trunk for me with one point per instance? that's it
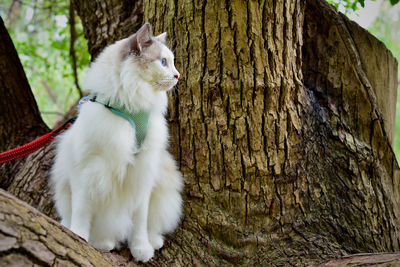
(20, 122)
(282, 125)
(20, 119)
(108, 21)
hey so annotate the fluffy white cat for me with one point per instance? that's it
(107, 188)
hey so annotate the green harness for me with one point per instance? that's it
(138, 120)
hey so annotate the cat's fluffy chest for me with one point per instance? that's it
(97, 127)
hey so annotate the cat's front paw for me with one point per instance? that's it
(157, 241)
(105, 245)
(142, 252)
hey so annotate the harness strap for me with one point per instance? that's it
(138, 120)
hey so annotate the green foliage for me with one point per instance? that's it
(40, 32)
(393, 2)
(347, 5)
(353, 5)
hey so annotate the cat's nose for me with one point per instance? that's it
(177, 76)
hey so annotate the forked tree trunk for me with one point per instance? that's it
(282, 125)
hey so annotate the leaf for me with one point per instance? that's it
(393, 2)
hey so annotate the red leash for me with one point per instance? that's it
(31, 147)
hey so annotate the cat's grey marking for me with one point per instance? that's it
(143, 46)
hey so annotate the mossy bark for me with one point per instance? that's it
(282, 125)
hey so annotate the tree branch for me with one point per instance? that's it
(73, 36)
(49, 90)
(371, 259)
(28, 236)
(13, 12)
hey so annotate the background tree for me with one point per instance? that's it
(386, 28)
(50, 43)
(283, 127)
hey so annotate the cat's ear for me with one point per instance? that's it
(162, 37)
(141, 39)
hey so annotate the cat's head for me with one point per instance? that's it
(152, 57)
(135, 72)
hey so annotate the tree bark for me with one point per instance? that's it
(282, 125)
(370, 259)
(279, 169)
(29, 238)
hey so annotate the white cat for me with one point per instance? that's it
(108, 187)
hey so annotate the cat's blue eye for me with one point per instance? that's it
(163, 62)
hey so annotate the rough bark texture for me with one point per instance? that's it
(279, 168)
(282, 125)
(370, 259)
(354, 107)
